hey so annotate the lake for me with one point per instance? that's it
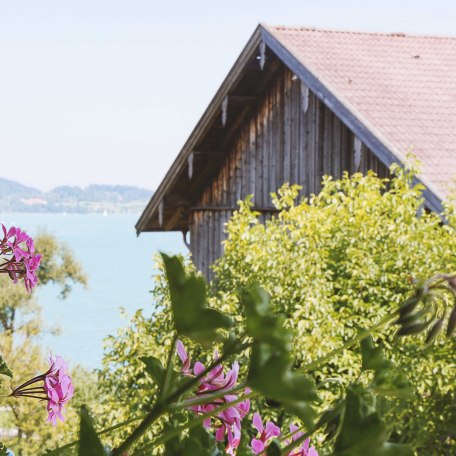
(119, 266)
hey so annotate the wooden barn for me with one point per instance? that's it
(300, 103)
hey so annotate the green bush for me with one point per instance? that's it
(334, 263)
(342, 260)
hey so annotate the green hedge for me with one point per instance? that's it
(341, 260)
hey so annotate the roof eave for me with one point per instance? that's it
(354, 120)
(201, 127)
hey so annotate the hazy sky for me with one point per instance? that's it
(107, 91)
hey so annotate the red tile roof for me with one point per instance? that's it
(401, 87)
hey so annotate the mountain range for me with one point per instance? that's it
(16, 197)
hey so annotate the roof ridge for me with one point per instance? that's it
(355, 32)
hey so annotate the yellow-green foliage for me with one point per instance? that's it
(332, 264)
(126, 390)
(340, 261)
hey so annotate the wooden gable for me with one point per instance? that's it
(272, 121)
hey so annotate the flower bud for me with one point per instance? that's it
(451, 323)
(434, 331)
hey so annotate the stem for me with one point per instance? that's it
(207, 398)
(104, 431)
(178, 431)
(157, 410)
(29, 382)
(45, 398)
(30, 390)
(163, 390)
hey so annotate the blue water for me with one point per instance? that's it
(119, 266)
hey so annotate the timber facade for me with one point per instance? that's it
(291, 137)
(288, 113)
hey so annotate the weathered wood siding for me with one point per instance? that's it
(293, 137)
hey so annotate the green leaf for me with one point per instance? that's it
(193, 447)
(3, 449)
(89, 443)
(262, 324)
(154, 368)
(191, 316)
(373, 357)
(173, 447)
(392, 383)
(273, 449)
(362, 430)
(4, 369)
(270, 373)
(270, 362)
(200, 443)
(389, 380)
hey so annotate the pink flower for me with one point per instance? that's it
(184, 358)
(22, 261)
(58, 387)
(228, 421)
(31, 265)
(266, 434)
(304, 449)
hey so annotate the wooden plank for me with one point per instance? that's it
(357, 153)
(225, 219)
(296, 108)
(265, 152)
(311, 168)
(345, 154)
(336, 149)
(251, 160)
(238, 171)
(170, 223)
(259, 157)
(209, 242)
(243, 99)
(275, 137)
(280, 131)
(226, 178)
(327, 140)
(303, 144)
(318, 137)
(287, 128)
(270, 172)
(191, 225)
(195, 241)
(231, 197)
(244, 161)
(202, 237)
(217, 235)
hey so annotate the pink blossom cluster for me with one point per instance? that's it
(18, 248)
(271, 431)
(228, 422)
(57, 389)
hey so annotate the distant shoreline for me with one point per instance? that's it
(94, 199)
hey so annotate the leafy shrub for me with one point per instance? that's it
(340, 261)
(337, 262)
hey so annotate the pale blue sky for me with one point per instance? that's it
(108, 91)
